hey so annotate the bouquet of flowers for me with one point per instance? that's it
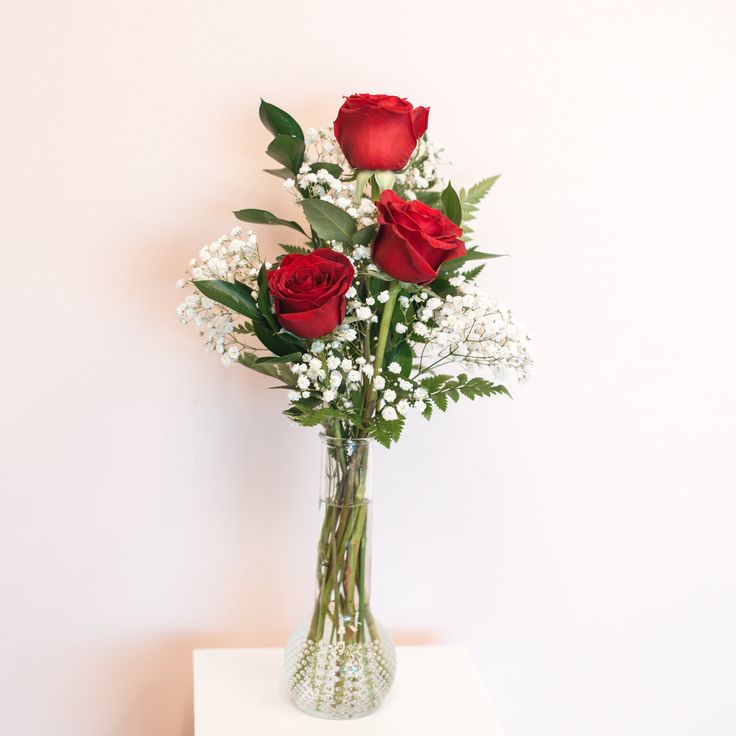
(371, 312)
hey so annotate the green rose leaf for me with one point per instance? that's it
(329, 221)
(451, 204)
(278, 121)
(287, 150)
(263, 217)
(235, 296)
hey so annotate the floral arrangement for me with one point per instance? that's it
(372, 314)
(361, 317)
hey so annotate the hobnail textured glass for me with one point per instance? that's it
(339, 680)
(341, 662)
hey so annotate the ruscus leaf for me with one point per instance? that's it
(278, 121)
(264, 217)
(329, 221)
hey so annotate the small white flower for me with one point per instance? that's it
(347, 364)
(389, 413)
(379, 382)
(421, 329)
(305, 394)
(404, 301)
(394, 367)
(368, 370)
(294, 395)
(401, 328)
(389, 395)
(317, 347)
(403, 407)
(289, 184)
(383, 296)
(351, 292)
(180, 284)
(354, 377)
(421, 393)
(328, 396)
(370, 301)
(302, 382)
(420, 406)
(335, 379)
(363, 313)
(234, 352)
(333, 362)
(405, 385)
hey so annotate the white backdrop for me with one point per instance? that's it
(579, 539)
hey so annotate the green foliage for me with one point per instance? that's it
(451, 204)
(237, 296)
(263, 217)
(309, 413)
(472, 254)
(386, 432)
(365, 235)
(403, 355)
(473, 273)
(288, 151)
(279, 372)
(442, 388)
(329, 221)
(471, 198)
(278, 121)
(281, 173)
(297, 249)
(279, 343)
(432, 199)
(332, 169)
(290, 358)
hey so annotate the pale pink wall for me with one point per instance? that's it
(579, 539)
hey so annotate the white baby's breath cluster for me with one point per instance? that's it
(228, 258)
(337, 375)
(322, 185)
(421, 173)
(321, 146)
(472, 329)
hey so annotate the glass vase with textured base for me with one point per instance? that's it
(340, 663)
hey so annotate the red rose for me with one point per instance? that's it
(309, 291)
(379, 132)
(414, 240)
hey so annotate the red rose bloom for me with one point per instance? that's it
(308, 291)
(379, 132)
(414, 240)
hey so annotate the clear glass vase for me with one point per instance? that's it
(340, 663)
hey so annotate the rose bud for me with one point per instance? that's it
(308, 291)
(379, 132)
(414, 240)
